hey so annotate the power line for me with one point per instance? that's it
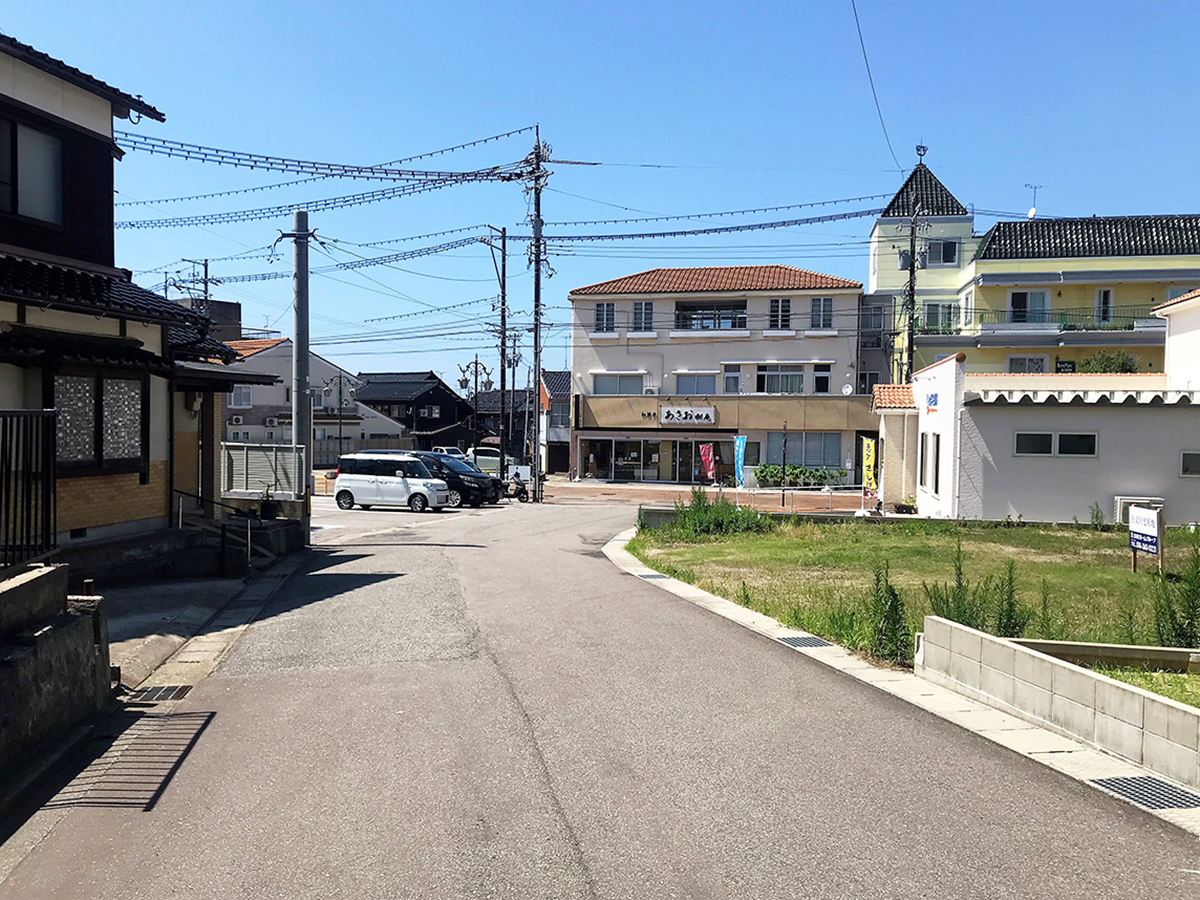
(725, 229)
(732, 212)
(871, 80)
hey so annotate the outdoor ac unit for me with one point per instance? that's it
(235, 420)
(650, 391)
(272, 422)
(1121, 506)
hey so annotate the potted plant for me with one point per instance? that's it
(268, 507)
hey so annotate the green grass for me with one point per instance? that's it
(813, 575)
(1181, 686)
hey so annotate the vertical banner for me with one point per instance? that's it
(868, 459)
(706, 459)
(739, 459)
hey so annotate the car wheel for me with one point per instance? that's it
(345, 500)
(475, 504)
(417, 503)
(495, 498)
(454, 499)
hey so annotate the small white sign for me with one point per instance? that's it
(687, 415)
(1143, 529)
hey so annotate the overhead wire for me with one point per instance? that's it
(871, 80)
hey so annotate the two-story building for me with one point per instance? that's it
(554, 405)
(669, 360)
(432, 413)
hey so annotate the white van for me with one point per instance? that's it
(380, 479)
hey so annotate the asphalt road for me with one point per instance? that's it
(478, 704)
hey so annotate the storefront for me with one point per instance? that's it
(671, 459)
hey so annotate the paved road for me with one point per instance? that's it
(477, 704)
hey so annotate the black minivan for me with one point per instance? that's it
(466, 485)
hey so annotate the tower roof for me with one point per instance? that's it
(923, 187)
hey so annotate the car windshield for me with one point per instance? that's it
(412, 468)
(456, 465)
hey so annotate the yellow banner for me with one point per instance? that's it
(869, 464)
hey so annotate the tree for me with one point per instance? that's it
(1109, 361)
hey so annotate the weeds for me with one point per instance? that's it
(891, 638)
(703, 517)
(744, 596)
(1097, 516)
(957, 602)
(1012, 616)
(1177, 606)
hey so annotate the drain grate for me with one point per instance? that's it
(654, 576)
(809, 640)
(160, 694)
(1150, 792)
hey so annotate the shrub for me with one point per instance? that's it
(1012, 616)
(957, 602)
(1096, 514)
(1177, 606)
(703, 518)
(1109, 361)
(890, 638)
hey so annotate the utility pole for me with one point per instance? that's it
(540, 152)
(502, 275)
(910, 297)
(301, 398)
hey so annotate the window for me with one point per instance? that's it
(101, 422)
(1104, 305)
(1174, 292)
(711, 316)
(1028, 365)
(822, 313)
(781, 314)
(821, 378)
(868, 380)
(410, 468)
(318, 433)
(941, 316)
(1034, 444)
(1076, 445)
(30, 172)
(871, 326)
(780, 379)
(240, 397)
(692, 383)
(937, 464)
(1190, 463)
(617, 384)
(1028, 306)
(967, 308)
(560, 413)
(643, 315)
(431, 412)
(606, 317)
(733, 379)
(941, 253)
(239, 435)
(923, 459)
(813, 449)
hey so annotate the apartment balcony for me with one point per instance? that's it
(1014, 322)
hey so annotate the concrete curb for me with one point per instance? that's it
(1070, 757)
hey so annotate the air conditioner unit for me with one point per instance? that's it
(272, 422)
(1121, 506)
(235, 420)
(650, 391)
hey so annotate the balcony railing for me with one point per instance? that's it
(1084, 318)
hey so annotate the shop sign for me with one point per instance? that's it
(687, 415)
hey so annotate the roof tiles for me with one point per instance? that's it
(718, 278)
(1190, 295)
(248, 348)
(1094, 236)
(922, 187)
(892, 396)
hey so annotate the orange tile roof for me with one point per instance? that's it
(892, 396)
(255, 345)
(718, 278)
(1190, 295)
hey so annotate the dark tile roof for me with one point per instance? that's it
(718, 278)
(122, 102)
(923, 187)
(558, 384)
(192, 344)
(489, 401)
(66, 287)
(396, 377)
(25, 345)
(1093, 236)
(392, 391)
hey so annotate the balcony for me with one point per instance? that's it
(1038, 321)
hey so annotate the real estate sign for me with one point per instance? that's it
(1143, 529)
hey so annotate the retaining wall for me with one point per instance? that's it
(1143, 727)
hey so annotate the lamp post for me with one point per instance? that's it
(474, 368)
(341, 380)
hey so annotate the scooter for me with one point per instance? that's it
(520, 491)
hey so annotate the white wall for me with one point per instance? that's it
(1183, 346)
(41, 90)
(937, 392)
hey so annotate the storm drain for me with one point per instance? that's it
(160, 694)
(809, 640)
(1150, 792)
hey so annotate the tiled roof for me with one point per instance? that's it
(892, 396)
(1190, 295)
(558, 384)
(1093, 236)
(392, 391)
(718, 278)
(26, 345)
(395, 377)
(247, 348)
(64, 286)
(923, 187)
(122, 103)
(489, 401)
(191, 344)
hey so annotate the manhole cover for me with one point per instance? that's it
(160, 694)
(1150, 792)
(809, 640)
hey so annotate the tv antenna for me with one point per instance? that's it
(1035, 188)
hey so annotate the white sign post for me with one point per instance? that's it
(1144, 534)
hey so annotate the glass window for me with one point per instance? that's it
(941, 316)
(710, 316)
(560, 413)
(412, 468)
(75, 399)
(781, 314)
(780, 379)
(643, 315)
(617, 384)
(1104, 304)
(122, 418)
(1190, 464)
(8, 154)
(33, 186)
(941, 253)
(692, 383)
(1028, 365)
(1028, 306)
(822, 313)
(868, 380)
(733, 379)
(1076, 445)
(240, 397)
(606, 317)
(1034, 444)
(923, 458)
(99, 419)
(822, 374)
(937, 463)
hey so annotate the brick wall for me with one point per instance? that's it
(111, 499)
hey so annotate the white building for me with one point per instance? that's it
(669, 360)
(1048, 447)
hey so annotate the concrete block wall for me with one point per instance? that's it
(1140, 726)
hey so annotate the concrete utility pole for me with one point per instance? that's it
(301, 398)
(910, 297)
(540, 152)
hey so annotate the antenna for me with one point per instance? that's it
(921, 151)
(1035, 188)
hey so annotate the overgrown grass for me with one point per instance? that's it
(1063, 583)
(1181, 686)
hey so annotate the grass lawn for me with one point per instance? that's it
(1181, 686)
(808, 575)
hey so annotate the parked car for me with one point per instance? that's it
(466, 484)
(450, 451)
(487, 458)
(384, 479)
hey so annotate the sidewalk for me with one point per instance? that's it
(559, 490)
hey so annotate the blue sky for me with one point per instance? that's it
(723, 106)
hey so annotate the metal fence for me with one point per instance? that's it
(256, 468)
(28, 510)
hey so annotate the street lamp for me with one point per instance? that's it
(474, 368)
(341, 381)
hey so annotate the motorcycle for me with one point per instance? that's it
(520, 491)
